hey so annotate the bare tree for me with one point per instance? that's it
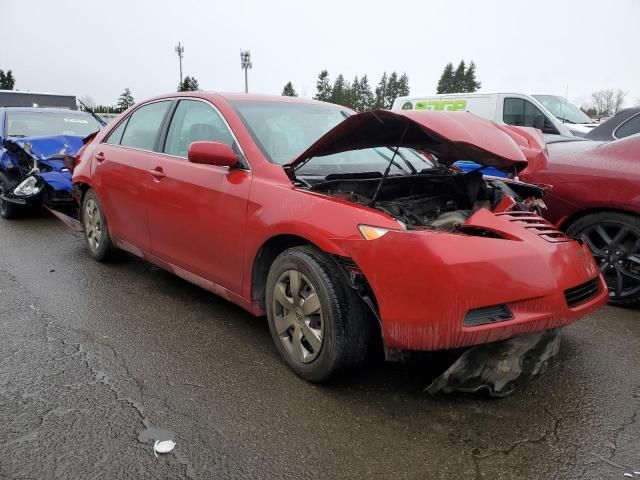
(609, 101)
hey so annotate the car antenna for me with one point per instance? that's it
(386, 172)
(92, 113)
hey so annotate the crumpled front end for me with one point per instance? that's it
(39, 172)
(501, 276)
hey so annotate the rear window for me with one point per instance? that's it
(630, 127)
(143, 126)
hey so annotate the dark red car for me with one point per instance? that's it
(368, 229)
(596, 196)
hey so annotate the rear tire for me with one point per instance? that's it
(614, 239)
(317, 322)
(96, 230)
(8, 210)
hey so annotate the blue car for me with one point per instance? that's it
(469, 166)
(33, 145)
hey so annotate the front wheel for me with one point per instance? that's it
(96, 230)
(318, 324)
(8, 210)
(614, 240)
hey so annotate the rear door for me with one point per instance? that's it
(121, 174)
(197, 213)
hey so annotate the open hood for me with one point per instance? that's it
(451, 136)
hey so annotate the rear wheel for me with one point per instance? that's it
(8, 210)
(318, 324)
(96, 231)
(614, 240)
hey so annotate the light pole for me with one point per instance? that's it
(180, 50)
(245, 63)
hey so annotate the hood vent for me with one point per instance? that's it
(536, 224)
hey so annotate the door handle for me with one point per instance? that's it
(157, 173)
(100, 157)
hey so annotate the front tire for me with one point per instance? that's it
(317, 322)
(96, 230)
(8, 210)
(614, 240)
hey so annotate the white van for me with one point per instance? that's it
(510, 108)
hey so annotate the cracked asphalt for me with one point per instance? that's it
(95, 357)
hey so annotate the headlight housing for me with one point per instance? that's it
(28, 187)
(369, 232)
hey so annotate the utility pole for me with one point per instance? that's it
(180, 51)
(245, 64)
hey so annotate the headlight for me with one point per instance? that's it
(369, 232)
(28, 187)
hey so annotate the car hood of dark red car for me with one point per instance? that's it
(451, 136)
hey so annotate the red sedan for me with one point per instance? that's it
(336, 225)
(595, 195)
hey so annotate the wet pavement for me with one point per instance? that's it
(97, 360)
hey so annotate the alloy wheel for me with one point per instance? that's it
(616, 249)
(93, 224)
(298, 316)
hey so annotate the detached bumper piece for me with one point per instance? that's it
(499, 367)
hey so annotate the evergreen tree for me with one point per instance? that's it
(288, 90)
(381, 92)
(459, 79)
(340, 91)
(392, 89)
(471, 84)
(7, 81)
(355, 95)
(125, 100)
(189, 84)
(403, 86)
(446, 79)
(323, 87)
(367, 100)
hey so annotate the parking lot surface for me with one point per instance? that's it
(96, 359)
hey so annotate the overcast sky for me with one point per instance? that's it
(99, 48)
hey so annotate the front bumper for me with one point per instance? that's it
(425, 284)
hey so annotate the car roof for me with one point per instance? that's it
(39, 109)
(235, 96)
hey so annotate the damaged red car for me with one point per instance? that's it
(336, 225)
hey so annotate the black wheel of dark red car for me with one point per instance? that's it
(317, 323)
(614, 240)
(96, 231)
(8, 210)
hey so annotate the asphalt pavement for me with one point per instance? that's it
(98, 360)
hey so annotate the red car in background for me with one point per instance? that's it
(335, 224)
(595, 196)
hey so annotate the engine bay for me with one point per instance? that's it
(437, 201)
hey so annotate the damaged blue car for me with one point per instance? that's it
(36, 145)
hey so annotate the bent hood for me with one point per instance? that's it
(451, 136)
(43, 148)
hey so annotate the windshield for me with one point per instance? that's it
(563, 110)
(43, 123)
(284, 130)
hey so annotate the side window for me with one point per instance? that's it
(513, 112)
(115, 137)
(523, 113)
(195, 121)
(143, 126)
(630, 127)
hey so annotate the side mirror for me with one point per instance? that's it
(212, 153)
